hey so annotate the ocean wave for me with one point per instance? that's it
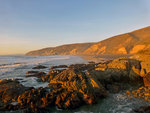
(14, 66)
(11, 64)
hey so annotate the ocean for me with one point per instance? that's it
(16, 66)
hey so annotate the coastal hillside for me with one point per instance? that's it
(128, 43)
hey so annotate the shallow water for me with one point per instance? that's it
(17, 66)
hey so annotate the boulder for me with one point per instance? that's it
(33, 99)
(10, 90)
(72, 87)
(119, 70)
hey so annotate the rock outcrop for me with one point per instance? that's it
(82, 88)
(10, 90)
(119, 70)
(144, 58)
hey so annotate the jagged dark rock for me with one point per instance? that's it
(37, 74)
(59, 66)
(10, 90)
(142, 109)
(32, 72)
(75, 87)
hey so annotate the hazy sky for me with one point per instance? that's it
(33, 24)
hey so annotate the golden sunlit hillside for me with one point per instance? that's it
(128, 43)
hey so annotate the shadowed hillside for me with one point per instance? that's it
(128, 43)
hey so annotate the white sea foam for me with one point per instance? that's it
(9, 63)
(32, 81)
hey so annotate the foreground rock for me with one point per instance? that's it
(14, 96)
(10, 90)
(73, 88)
(34, 99)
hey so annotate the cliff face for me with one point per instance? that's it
(128, 43)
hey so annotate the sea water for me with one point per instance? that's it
(16, 66)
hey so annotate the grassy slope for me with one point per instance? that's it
(128, 43)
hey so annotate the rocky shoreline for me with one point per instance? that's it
(72, 86)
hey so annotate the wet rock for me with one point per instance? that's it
(49, 76)
(142, 92)
(59, 66)
(32, 72)
(35, 74)
(9, 107)
(39, 67)
(142, 109)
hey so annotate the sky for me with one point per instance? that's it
(27, 25)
